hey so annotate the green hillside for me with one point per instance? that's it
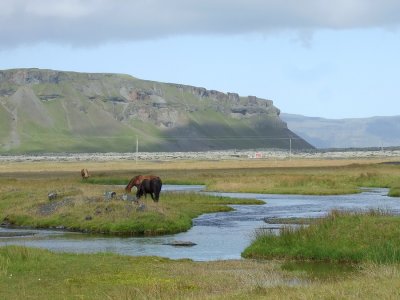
(55, 111)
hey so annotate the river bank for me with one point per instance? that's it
(218, 236)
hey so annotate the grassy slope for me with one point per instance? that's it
(4, 124)
(74, 122)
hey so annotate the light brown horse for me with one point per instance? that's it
(85, 174)
(137, 180)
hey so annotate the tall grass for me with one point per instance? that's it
(341, 236)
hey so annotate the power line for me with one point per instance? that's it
(229, 138)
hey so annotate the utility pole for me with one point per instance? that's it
(137, 148)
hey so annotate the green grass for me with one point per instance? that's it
(394, 191)
(27, 273)
(5, 127)
(351, 237)
(307, 181)
(106, 181)
(39, 274)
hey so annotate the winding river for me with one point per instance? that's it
(218, 235)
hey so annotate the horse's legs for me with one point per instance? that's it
(156, 196)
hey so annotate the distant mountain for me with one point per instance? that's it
(56, 111)
(346, 133)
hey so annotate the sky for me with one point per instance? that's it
(320, 58)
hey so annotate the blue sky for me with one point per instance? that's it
(335, 60)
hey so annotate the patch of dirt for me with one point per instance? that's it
(53, 206)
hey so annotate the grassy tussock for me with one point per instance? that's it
(394, 191)
(352, 237)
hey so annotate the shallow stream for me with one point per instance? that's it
(217, 236)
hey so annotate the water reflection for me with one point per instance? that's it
(219, 235)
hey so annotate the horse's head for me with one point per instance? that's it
(135, 181)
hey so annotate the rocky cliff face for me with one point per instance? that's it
(72, 106)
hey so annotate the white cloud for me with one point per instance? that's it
(63, 9)
(92, 22)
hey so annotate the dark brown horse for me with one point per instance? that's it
(150, 186)
(137, 180)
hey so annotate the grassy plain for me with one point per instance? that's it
(300, 176)
(39, 274)
(24, 187)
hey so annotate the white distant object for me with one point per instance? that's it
(256, 155)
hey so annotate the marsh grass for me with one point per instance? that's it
(341, 236)
(40, 274)
(394, 191)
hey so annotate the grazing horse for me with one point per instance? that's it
(137, 180)
(150, 186)
(85, 173)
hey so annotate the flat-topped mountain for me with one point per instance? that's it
(56, 111)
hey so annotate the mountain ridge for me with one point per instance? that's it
(376, 131)
(59, 111)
